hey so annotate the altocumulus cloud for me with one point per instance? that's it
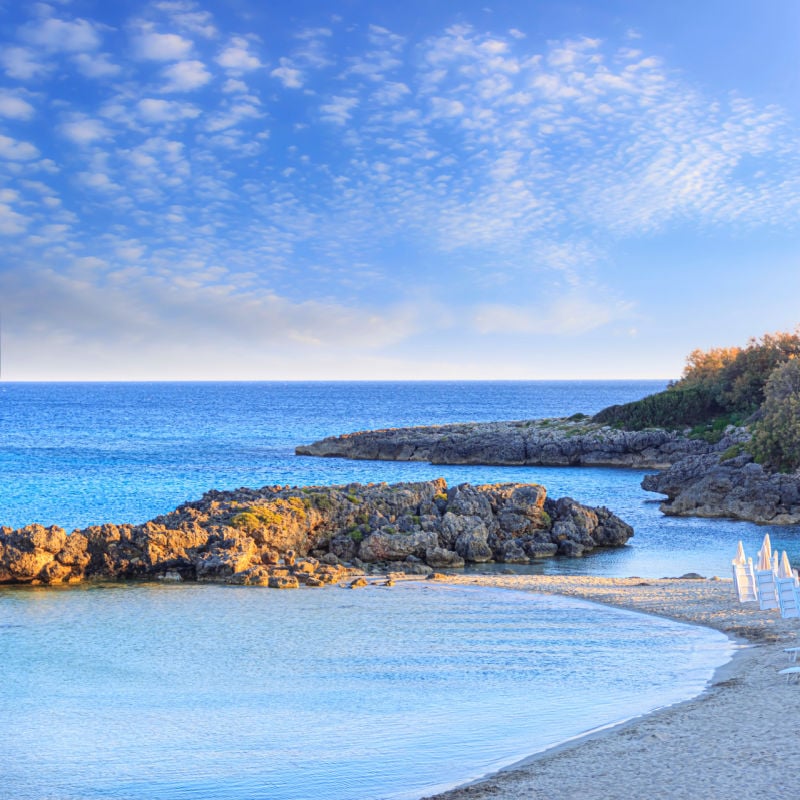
(211, 184)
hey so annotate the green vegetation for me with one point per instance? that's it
(718, 387)
(546, 520)
(275, 512)
(322, 501)
(356, 534)
(776, 435)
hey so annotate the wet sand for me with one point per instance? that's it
(739, 739)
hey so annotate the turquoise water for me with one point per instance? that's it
(81, 454)
(238, 693)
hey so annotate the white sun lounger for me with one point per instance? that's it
(791, 673)
(787, 597)
(744, 582)
(792, 651)
(767, 591)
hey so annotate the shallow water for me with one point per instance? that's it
(225, 693)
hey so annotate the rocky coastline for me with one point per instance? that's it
(284, 537)
(699, 478)
(558, 442)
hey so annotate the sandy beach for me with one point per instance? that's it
(740, 738)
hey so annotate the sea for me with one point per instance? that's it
(137, 691)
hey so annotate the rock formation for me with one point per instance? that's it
(573, 441)
(735, 487)
(699, 478)
(283, 537)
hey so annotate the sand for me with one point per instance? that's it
(739, 739)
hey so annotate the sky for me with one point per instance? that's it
(248, 190)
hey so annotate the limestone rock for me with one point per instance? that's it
(258, 536)
(441, 558)
(385, 546)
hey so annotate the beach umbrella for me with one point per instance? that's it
(765, 554)
(775, 562)
(740, 559)
(785, 567)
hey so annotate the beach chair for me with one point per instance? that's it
(766, 589)
(790, 673)
(744, 581)
(787, 597)
(792, 651)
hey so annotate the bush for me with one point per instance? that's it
(719, 384)
(776, 436)
(673, 408)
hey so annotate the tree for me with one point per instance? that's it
(776, 436)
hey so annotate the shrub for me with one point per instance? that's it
(272, 512)
(716, 383)
(776, 436)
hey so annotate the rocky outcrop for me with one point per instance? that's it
(736, 487)
(573, 441)
(699, 478)
(284, 537)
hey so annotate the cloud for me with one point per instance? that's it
(96, 65)
(22, 63)
(58, 35)
(154, 46)
(291, 77)
(11, 221)
(14, 150)
(236, 58)
(12, 106)
(185, 76)
(185, 15)
(80, 328)
(569, 315)
(480, 162)
(154, 110)
(338, 109)
(84, 130)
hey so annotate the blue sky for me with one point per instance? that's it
(364, 190)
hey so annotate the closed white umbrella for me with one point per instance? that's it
(740, 559)
(765, 554)
(785, 570)
(775, 565)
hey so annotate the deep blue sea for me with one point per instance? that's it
(131, 692)
(86, 453)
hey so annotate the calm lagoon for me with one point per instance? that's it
(226, 693)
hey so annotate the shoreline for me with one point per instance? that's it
(737, 737)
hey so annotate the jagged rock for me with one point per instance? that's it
(536, 549)
(513, 553)
(283, 582)
(441, 558)
(416, 569)
(358, 583)
(738, 488)
(257, 536)
(472, 544)
(385, 546)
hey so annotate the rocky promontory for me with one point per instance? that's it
(283, 536)
(727, 483)
(699, 478)
(572, 441)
